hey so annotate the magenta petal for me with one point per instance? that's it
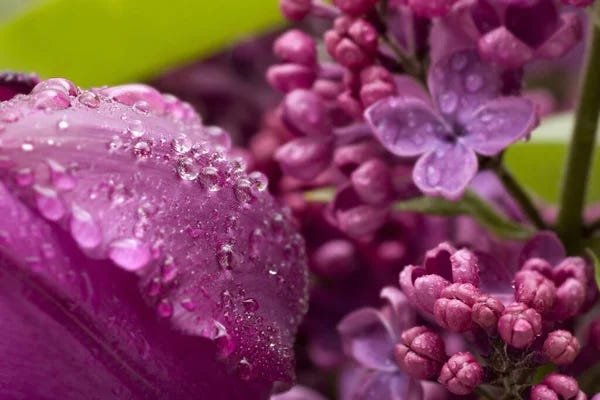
(498, 123)
(138, 217)
(14, 83)
(405, 126)
(563, 39)
(545, 245)
(446, 171)
(369, 339)
(298, 393)
(502, 47)
(460, 82)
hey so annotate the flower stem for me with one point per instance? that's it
(569, 223)
(521, 196)
(593, 227)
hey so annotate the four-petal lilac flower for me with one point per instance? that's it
(468, 116)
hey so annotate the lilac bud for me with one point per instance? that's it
(305, 113)
(557, 386)
(375, 91)
(372, 182)
(295, 10)
(351, 55)
(348, 158)
(428, 289)
(461, 374)
(355, 8)
(452, 310)
(287, 77)
(296, 47)
(421, 352)
(304, 158)
(355, 218)
(376, 73)
(465, 267)
(486, 311)
(535, 290)
(365, 35)
(571, 281)
(561, 347)
(334, 259)
(519, 325)
(350, 104)
(538, 265)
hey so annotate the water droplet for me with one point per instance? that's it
(473, 82)
(59, 176)
(119, 194)
(225, 256)
(169, 270)
(50, 100)
(135, 128)
(164, 308)
(115, 143)
(62, 125)
(259, 180)
(209, 176)
(243, 190)
(250, 305)
(24, 177)
(84, 229)
(459, 61)
(448, 102)
(181, 144)
(129, 253)
(142, 149)
(27, 146)
(89, 99)
(187, 169)
(48, 203)
(141, 106)
(223, 340)
(433, 175)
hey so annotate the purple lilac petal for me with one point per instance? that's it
(377, 385)
(502, 47)
(369, 339)
(545, 245)
(446, 171)
(401, 314)
(498, 123)
(406, 126)
(112, 191)
(461, 82)
(567, 35)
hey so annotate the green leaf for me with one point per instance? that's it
(97, 42)
(538, 163)
(594, 257)
(471, 205)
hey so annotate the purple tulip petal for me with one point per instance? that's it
(446, 171)
(498, 123)
(461, 82)
(563, 39)
(369, 339)
(405, 126)
(112, 210)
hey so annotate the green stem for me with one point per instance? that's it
(569, 223)
(521, 196)
(593, 227)
(484, 393)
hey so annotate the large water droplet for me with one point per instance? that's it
(259, 180)
(50, 100)
(250, 305)
(48, 203)
(209, 176)
(243, 190)
(136, 128)
(187, 169)
(141, 107)
(84, 229)
(225, 256)
(129, 253)
(89, 99)
(142, 149)
(181, 144)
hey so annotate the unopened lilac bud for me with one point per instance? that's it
(428, 289)
(519, 325)
(350, 104)
(561, 347)
(594, 334)
(557, 386)
(305, 113)
(296, 47)
(535, 290)
(355, 8)
(372, 182)
(348, 158)
(287, 77)
(421, 352)
(461, 373)
(486, 312)
(295, 10)
(334, 259)
(351, 55)
(355, 218)
(465, 267)
(538, 265)
(304, 158)
(376, 73)
(375, 91)
(452, 310)
(571, 282)
(365, 35)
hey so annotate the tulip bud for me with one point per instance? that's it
(519, 325)
(561, 347)
(452, 310)
(420, 353)
(535, 290)
(461, 373)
